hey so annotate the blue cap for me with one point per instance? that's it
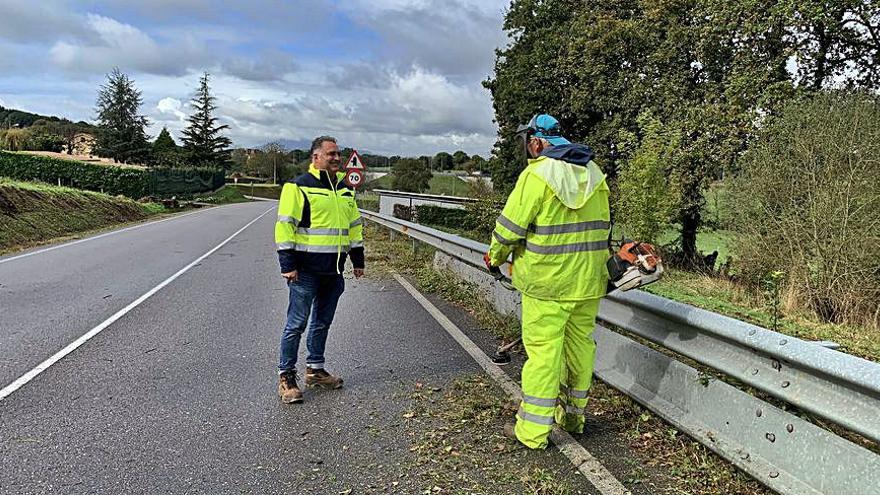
(545, 127)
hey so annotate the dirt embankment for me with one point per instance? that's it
(31, 213)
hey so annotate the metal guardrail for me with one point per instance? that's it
(783, 451)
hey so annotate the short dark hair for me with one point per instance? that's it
(319, 141)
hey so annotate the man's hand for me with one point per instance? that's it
(291, 276)
(358, 272)
(494, 270)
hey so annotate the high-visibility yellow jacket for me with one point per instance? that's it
(318, 225)
(556, 224)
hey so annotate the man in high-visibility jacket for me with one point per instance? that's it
(556, 225)
(318, 226)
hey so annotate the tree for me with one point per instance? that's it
(410, 175)
(44, 141)
(16, 139)
(121, 130)
(275, 152)
(239, 159)
(442, 161)
(459, 158)
(165, 150)
(203, 142)
(709, 70)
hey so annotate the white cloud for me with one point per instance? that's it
(171, 106)
(403, 78)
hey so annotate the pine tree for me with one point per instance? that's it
(121, 130)
(165, 150)
(203, 144)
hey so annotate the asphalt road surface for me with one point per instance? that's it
(178, 395)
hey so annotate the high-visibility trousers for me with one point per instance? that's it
(558, 338)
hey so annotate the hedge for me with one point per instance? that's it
(435, 216)
(131, 182)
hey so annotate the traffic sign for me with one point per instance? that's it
(354, 178)
(355, 162)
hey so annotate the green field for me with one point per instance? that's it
(448, 185)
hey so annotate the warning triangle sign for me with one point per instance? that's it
(355, 162)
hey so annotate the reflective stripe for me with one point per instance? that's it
(577, 394)
(534, 418)
(285, 245)
(357, 244)
(537, 401)
(568, 228)
(287, 219)
(575, 410)
(321, 249)
(502, 240)
(509, 225)
(567, 248)
(308, 231)
(357, 222)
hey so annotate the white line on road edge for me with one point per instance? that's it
(588, 465)
(52, 248)
(30, 375)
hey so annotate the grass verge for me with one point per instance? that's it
(459, 447)
(269, 191)
(31, 213)
(728, 298)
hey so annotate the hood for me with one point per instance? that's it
(572, 179)
(576, 154)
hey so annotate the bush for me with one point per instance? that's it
(410, 175)
(131, 182)
(442, 217)
(482, 215)
(806, 204)
(647, 198)
(46, 142)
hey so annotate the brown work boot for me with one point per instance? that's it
(287, 388)
(320, 378)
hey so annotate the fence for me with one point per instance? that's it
(777, 447)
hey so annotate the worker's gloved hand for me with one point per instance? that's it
(494, 270)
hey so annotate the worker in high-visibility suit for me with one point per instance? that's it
(556, 225)
(318, 227)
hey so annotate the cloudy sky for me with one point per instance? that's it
(390, 76)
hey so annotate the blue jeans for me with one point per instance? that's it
(313, 301)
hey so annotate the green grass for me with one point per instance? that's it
(731, 299)
(448, 185)
(440, 184)
(224, 195)
(270, 191)
(32, 213)
(707, 241)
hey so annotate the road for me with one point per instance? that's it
(178, 394)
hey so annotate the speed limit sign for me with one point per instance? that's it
(354, 178)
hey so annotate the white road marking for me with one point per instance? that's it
(588, 465)
(79, 241)
(30, 375)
